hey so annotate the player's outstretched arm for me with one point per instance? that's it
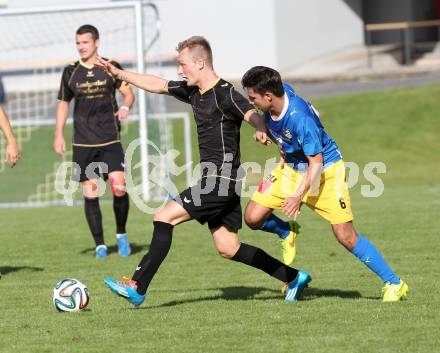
(59, 144)
(12, 153)
(255, 120)
(149, 83)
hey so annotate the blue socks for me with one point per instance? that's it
(371, 257)
(276, 225)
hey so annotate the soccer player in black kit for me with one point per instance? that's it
(12, 153)
(219, 111)
(97, 149)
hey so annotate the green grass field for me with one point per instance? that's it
(199, 302)
(20, 185)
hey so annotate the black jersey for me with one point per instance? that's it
(94, 121)
(218, 112)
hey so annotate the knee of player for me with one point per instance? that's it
(346, 236)
(252, 221)
(349, 242)
(161, 216)
(118, 191)
(227, 249)
(226, 253)
(117, 187)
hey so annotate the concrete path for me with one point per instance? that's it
(333, 88)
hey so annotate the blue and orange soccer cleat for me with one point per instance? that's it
(126, 289)
(295, 288)
(101, 252)
(123, 245)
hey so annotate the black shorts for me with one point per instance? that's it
(213, 200)
(109, 158)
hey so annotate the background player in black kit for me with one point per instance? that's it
(219, 111)
(12, 153)
(96, 137)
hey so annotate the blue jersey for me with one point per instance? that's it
(299, 132)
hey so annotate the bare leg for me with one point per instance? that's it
(365, 251)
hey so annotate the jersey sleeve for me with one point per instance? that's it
(118, 83)
(236, 105)
(65, 93)
(180, 90)
(309, 137)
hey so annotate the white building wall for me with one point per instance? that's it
(233, 27)
(278, 33)
(306, 30)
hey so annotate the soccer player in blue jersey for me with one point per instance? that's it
(311, 172)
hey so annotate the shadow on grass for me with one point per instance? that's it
(315, 293)
(243, 293)
(135, 248)
(4, 270)
(227, 293)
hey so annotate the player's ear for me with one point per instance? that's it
(200, 64)
(268, 96)
(97, 42)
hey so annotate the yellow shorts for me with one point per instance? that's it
(330, 199)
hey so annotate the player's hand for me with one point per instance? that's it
(291, 206)
(107, 66)
(12, 153)
(59, 145)
(261, 137)
(122, 114)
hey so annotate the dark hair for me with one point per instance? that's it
(201, 44)
(263, 79)
(88, 29)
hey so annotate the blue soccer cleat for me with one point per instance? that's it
(295, 288)
(123, 245)
(101, 252)
(126, 289)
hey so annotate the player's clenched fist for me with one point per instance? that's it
(261, 137)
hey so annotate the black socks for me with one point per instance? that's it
(159, 247)
(120, 207)
(94, 216)
(255, 257)
(94, 219)
(247, 254)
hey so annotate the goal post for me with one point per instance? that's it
(39, 44)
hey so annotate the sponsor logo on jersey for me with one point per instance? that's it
(287, 134)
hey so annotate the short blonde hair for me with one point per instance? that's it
(200, 46)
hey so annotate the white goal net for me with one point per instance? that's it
(36, 44)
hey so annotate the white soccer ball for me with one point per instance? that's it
(70, 295)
